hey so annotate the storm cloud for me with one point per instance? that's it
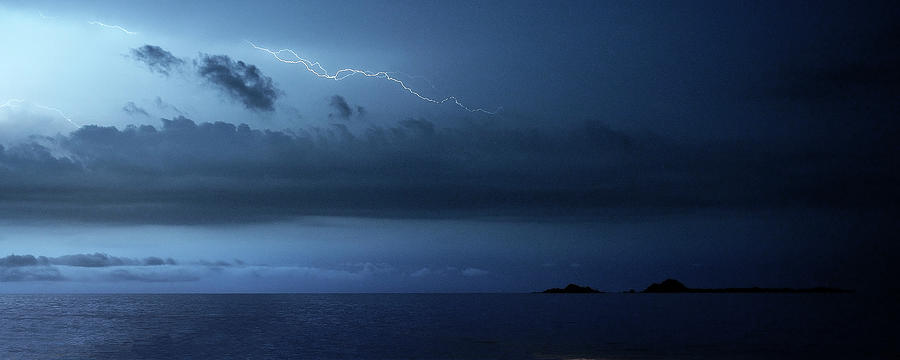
(97, 267)
(43, 268)
(157, 59)
(94, 260)
(185, 172)
(105, 268)
(340, 105)
(240, 81)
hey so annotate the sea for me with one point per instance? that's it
(448, 326)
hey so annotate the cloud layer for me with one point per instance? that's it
(184, 172)
(42, 268)
(341, 106)
(99, 267)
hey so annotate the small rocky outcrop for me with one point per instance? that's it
(667, 286)
(573, 289)
(675, 286)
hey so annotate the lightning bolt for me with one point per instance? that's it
(11, 102)
(61, 114)
(422, 78)
(117, 27)
(317, 69)
(16, 102)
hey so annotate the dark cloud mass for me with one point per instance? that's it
(95, 260)
(102, 267)
(157, 59)
(184, 172)
(42, 268)
(240, 81)
(340, 105)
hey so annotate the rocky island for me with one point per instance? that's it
(675, 286)
(573, 289)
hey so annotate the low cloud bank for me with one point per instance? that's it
(99, 267)
(185, 172)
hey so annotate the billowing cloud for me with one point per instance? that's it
(185, 172)
(157, 59)
(131, 109)
(240, 81)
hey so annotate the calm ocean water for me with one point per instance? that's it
(446, 326)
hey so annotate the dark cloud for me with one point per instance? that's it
(340, 105)
(184, 172)
(98, 266)
(240, 81)
(19, 260)
(95, 260)
(157, 59)
(131, 109)
(106, 268)
(343, 109)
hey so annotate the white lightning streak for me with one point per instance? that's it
(117, 27)
(318, 70)
(58, 111)
(16, 102)
(424, 79)
(11, 103)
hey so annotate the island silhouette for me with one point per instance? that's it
(675, 286)
(572, 289)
